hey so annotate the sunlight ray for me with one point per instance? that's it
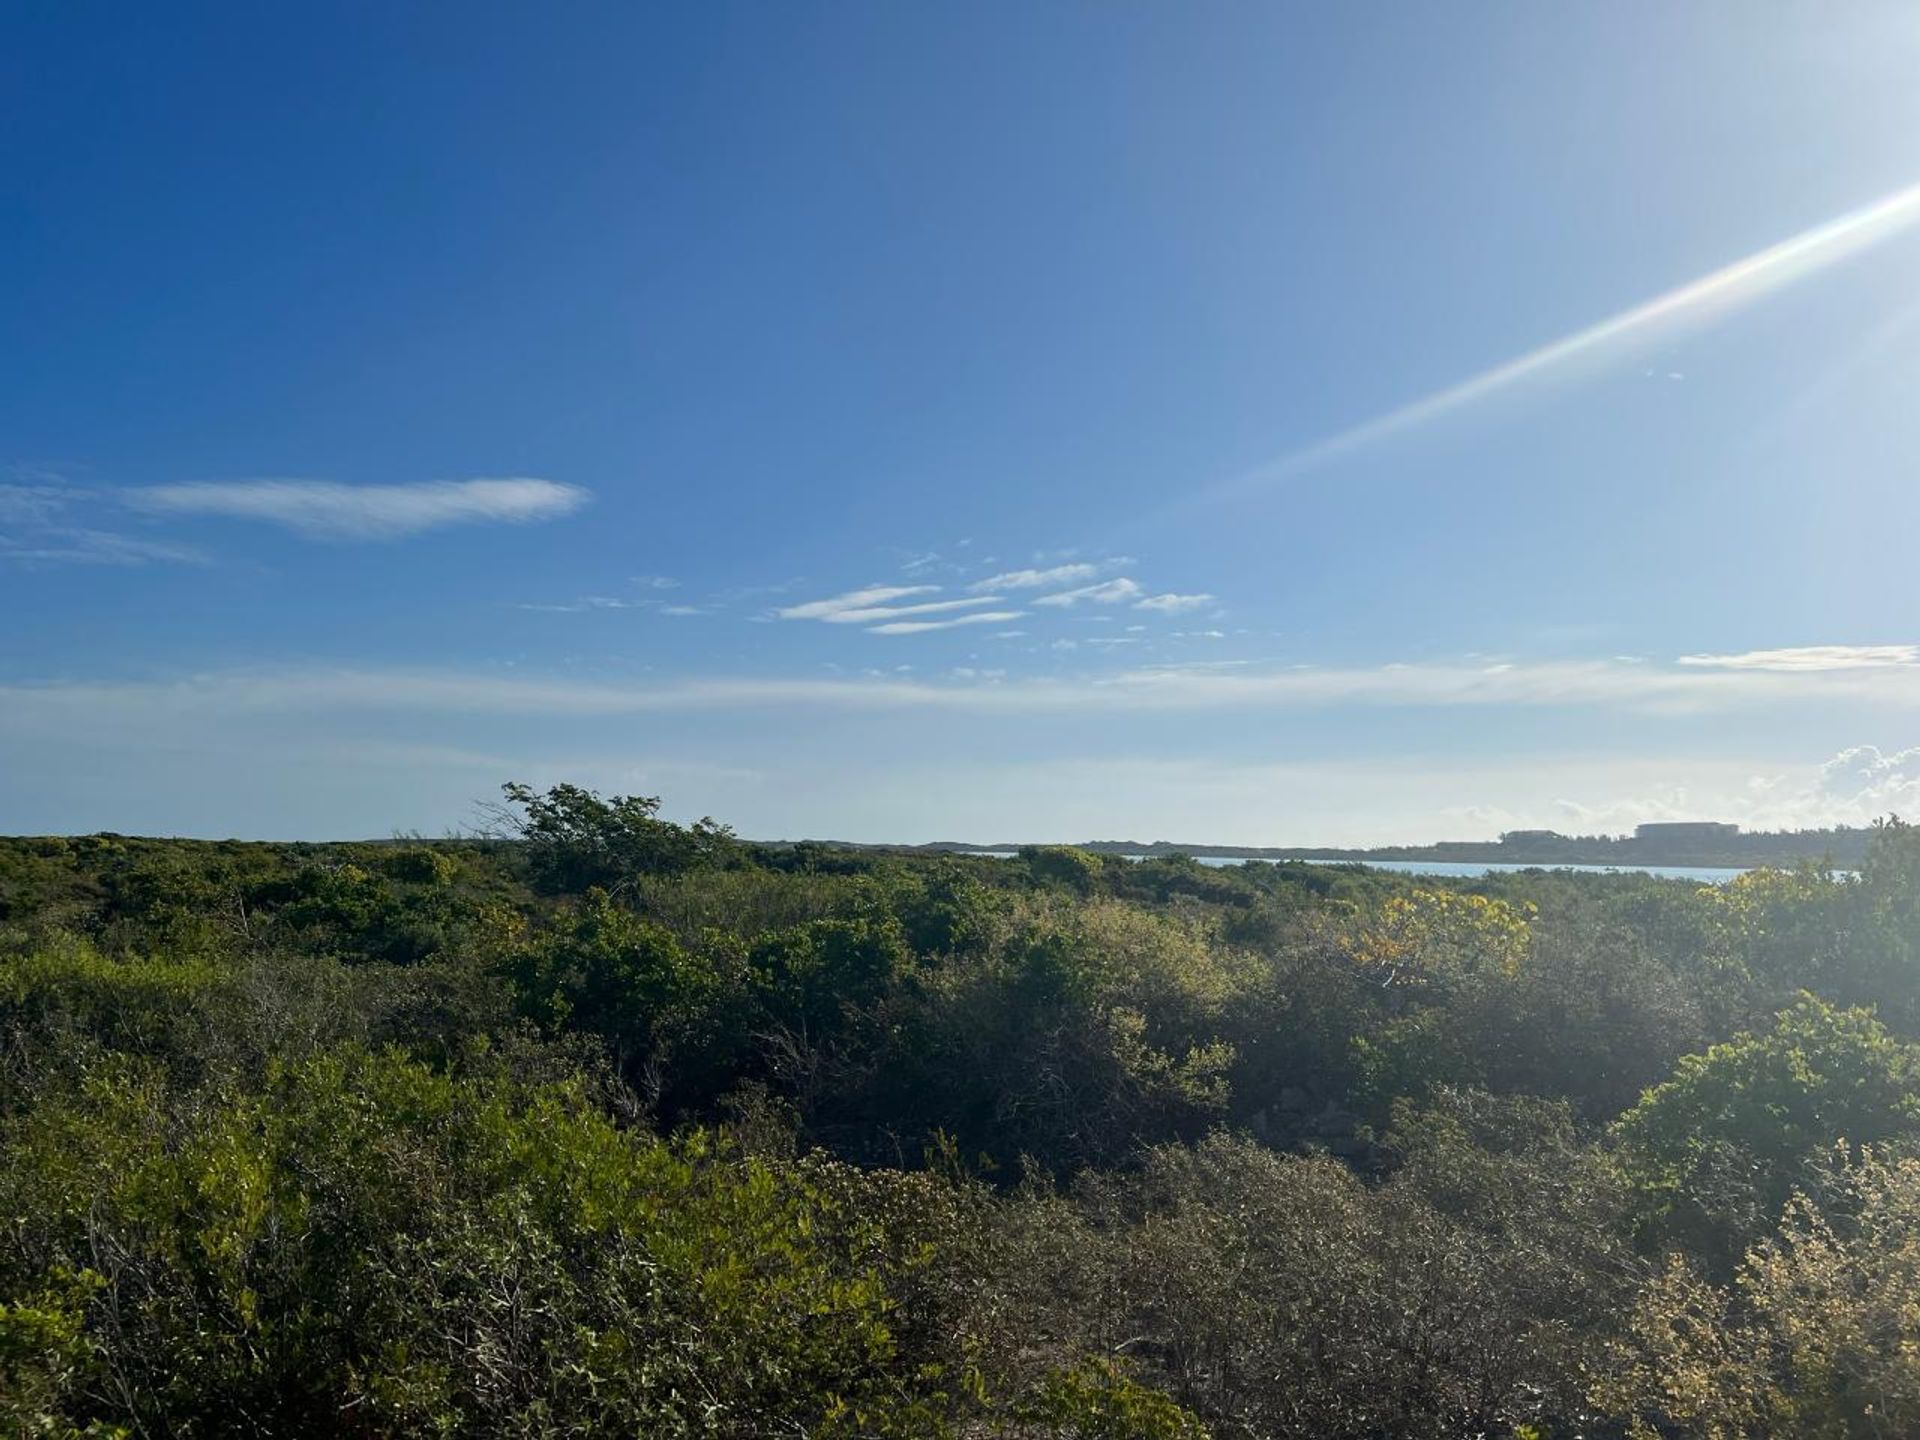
(1712, 295)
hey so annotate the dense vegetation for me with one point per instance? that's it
(611, 1126)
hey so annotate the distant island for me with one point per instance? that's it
(1690, 842)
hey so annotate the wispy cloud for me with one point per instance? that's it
(1171, 604)
(1811, 657)
(31, 504)
(916, 627)
(71, 545)
(833, 605)
(586, 603)
(736, 593)
(871, 613)
(656, 582)
(1107, 592)
(37, 528)
(326, 510)
(1715, 294)
(1036, 579)
(878, 608)
(871, 607)
(1594, 685)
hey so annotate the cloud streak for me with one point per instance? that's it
(852, 600)
(869, 614)
(1811, 657)
(1107, 592)
(1171, 604)
(322, 509)
(31, 504)
(916, 627)
(872, 608)
(36, 530)
(586, 603)
(1598, 685)
(1036, 579)
(877, 607)
(74, 545)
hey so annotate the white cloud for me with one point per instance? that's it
(1107, 592)
(870, 607)
(1171, 604)
(1857, 786)
(1865, 781)
(656, 582)
(326, 510)
(872, 613)
(916, 627)
(1811, 657)
(852, 600)
(1035, 579)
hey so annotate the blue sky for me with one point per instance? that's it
(1279, 423)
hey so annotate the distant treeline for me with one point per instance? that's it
(610, 1126)
(1843, 846)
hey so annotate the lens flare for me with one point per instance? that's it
(1710, 297)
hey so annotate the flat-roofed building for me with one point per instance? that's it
(1685, 830)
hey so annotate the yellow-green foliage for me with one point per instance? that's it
(45, 1349)
(135, 1001)
(1415, 938)
(361, 1236)
(1772, 926)
(1098, 1400)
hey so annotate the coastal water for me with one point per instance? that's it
(1469, 869)
(1472, 869)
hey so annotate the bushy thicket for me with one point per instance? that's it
(609, 1126)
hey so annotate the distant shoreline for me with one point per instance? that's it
(1840, 847)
